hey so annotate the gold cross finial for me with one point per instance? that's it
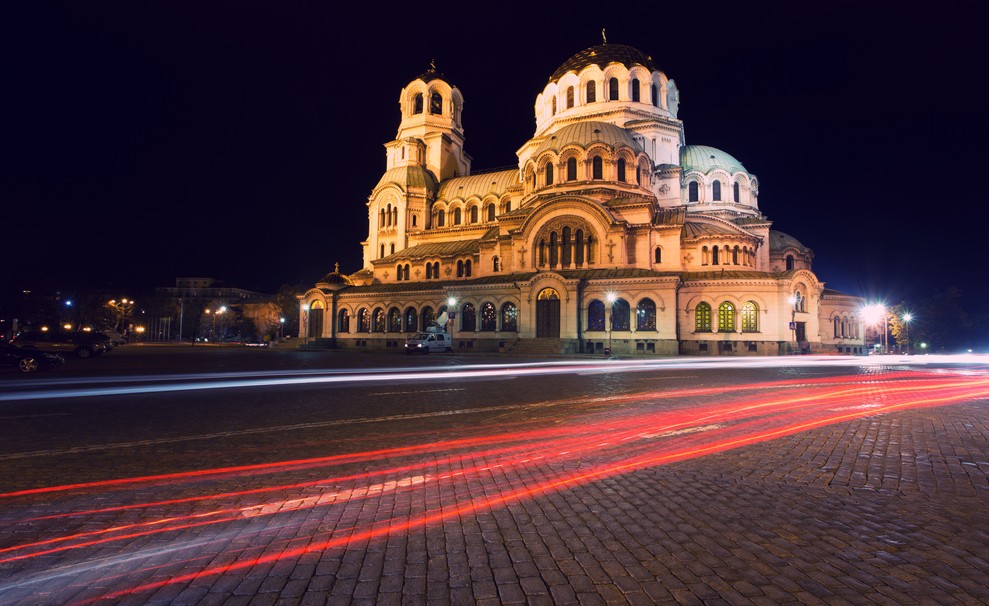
(336, 267)
(603, 36)
(432, 65)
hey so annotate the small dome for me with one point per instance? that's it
(705, 159)
(779, 241)
(431, 74)
(586, 133)
(335, 278)
(602, 55)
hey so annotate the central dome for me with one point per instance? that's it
(602, 55)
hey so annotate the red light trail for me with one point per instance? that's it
(612, 436)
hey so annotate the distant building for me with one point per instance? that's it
(207, 288)
(611, 233)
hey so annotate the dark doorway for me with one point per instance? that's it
(548, 314)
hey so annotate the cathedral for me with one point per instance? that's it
(612, 235)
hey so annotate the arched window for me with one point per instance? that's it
(468, 318)
(620, 315)
(542, 253)
(569, 97)
(734, 256)
(553, 106)
(411, 320)
(413, 220)
(398, 272)
(508, 206)
(440, 218)
(378, 320)
(436, 103)
(789, 262)
(635, 90)
(428, 317)
(429, 271)
(394, 320)
(460, 268)
(417, 104)
(579, 248)
(597, 168)
(595, 315)
(363, 320)
(381, 218)
(549, 173)
(613, 89)
(591, 92)
(645, 315)
(837, 328)
(658, 255)
(491, 212)
(473, 214)
(467, 265)
(571, 169)
(566, 247)
(457, 216)
(382, 252)
(494, 264)
(392, 249)
(509, 317)
(715, 256)
(692, 192)
(343, 322)
(702, 317)
(489, 317)
(436, 269)
(735, 193)
(621, 169)
(750, 317)
(726, 317)
(716, 191)
(655, 95)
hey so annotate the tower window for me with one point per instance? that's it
(569, 97)
(436, 103)
(635, 90)
(692, 191)
(655, 95)
(491, 212)
(571, 169)
(621, 170)
(735, 192)
(658, 257)
(597, 168)
(789, 263)
(473, 214)
(549, 173)
(591, 92)
(716, 190)
(417, 104)
(613, 89)
(457, 216)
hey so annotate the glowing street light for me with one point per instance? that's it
(281, 328)
(872, 314)
(907, 317)
(611, 297)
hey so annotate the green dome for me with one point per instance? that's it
(705, 159)
(586, 133)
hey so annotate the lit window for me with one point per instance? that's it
(726, 317)
(702, 318)
(645, 315)
(620, 315)
(509, 317)
(489, 317)
(595, 315)
(750, 317)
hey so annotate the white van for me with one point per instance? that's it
(425, 342)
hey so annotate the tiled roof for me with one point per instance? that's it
(434, 249)
(693, 230)
(587, 132)
(407, 176)
(496, 184)
(779, 240)
(728, 275)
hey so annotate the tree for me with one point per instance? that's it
(899, 328)
(942, 323)
(287, 300)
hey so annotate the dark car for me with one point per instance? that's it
(26, 359)
(65, 343)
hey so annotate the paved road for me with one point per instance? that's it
(266, 477)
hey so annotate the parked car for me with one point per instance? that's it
(64, 343)
(96, 338)
(26, 359)
(425, 342)
(115, 337)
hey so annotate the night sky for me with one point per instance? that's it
(143, 141)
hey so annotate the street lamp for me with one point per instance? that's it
(220, 312)
(612, 297)
(281, 328)
(451, 312)
(907, 317)
(872, 314)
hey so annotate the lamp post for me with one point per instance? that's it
(451, 312)
(212, 331)
(907, 317)
(792, 300)
(871, 314)
(281, 328)
(609, 320)
(220, 312)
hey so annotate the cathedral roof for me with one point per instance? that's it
(434, 249)
(496, 183)
(602, 55)
(779, 240)
(693, 230)
(705, 159)
(406, 177)
(588, 132)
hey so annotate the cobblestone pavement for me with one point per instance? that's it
(859, 490)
